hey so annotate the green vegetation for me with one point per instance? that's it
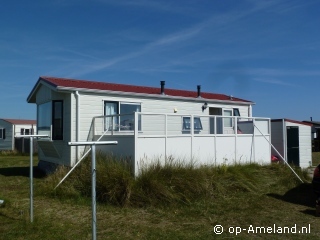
(315, 158)
(174, 201)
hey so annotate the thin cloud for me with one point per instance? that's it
(283, 72)
(165, 41)
(140, 3)
(275, 82)
(183, 37)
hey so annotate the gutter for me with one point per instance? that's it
(250, 111)
(77, 122)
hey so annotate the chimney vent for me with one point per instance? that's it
(199, 90)
(162, 83)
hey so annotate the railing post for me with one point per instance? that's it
(51, 132)
(94, 128)
(192, 134)
(166, 137)
(215, 124)
(254, 140)
(31, 179)
(93, 184)
(215, 139)
(136, 133)
(112, 126)
(235, 119)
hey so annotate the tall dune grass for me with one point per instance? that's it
(163, 185)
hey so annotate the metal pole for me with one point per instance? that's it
(93, 178)
(31, 169)
(94, 212)
(31, 179)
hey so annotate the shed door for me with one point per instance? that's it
(293, 145)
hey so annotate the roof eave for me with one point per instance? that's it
(31, 98)
(160, 96)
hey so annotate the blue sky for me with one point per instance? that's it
(264, 51)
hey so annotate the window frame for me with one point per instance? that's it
(236, 112)
(49, 123)
(44, 128)
(227, 119)
(186, 123)
(117, 120)
(57, 133)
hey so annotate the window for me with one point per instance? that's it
(51, 114)
(2, 133)
(57, 120)
(44, 117)
(227, 122)
(124, 122)
(26, 131)
(236, 112)
(196, 123)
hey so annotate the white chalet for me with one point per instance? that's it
(149, 123)
(9, 128)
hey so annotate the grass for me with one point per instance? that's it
(170, 202)
(315, 158)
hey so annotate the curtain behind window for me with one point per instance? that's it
(111, 108)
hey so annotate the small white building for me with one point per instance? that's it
(9, 128)
(292, 139)
(149, 123)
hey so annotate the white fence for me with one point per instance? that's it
(204, 140)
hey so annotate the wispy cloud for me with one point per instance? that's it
(156, 45)
(275, 82)
(283, 72)
(192, 35)
(157, 5)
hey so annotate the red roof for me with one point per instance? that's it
(292, 121)
(63, 83)
(20, 121)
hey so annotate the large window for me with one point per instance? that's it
(51, 114)
(44, 117)
(126, 120)
(2, 133)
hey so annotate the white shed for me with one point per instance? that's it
(292, 139)
(9, 128)
(148, 123)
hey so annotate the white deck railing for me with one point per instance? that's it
(203, 139)
(154, 124)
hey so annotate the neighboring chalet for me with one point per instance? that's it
(149, 123)
(315, 137)
(9, 128)
(292, 139)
